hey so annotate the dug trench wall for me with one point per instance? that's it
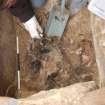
(73, 57)
(7, 54)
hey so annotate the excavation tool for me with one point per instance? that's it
(18, 66)
(57, 20)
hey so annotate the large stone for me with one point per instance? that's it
(8, 101)
(94, 98)
(65, 96)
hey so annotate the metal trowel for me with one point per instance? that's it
(57, 20)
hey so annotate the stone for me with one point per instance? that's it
(69, 95)
(96, 97)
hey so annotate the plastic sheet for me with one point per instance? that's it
(76, 5)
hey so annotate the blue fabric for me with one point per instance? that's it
(76, 5)
(38, 3)
(62, 6)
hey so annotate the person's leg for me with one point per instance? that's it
(23, 10)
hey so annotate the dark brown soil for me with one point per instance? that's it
(7, 54)
(52, 63)
(58, 63)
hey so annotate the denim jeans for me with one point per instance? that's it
(23, 8)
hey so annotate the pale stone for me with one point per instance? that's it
(94, 98)
(69, 95)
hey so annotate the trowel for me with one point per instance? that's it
(57, 20)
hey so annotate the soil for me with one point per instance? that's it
(7, 54)
(52, 62)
